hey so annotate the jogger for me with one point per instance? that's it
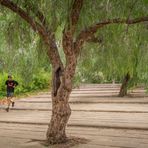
(11, 84)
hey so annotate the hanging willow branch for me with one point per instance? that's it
(47, 35)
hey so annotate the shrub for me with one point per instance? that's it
(39, 81)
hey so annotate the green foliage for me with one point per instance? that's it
(3, 78)
(22, 55)
(41, 80)
(124, 48)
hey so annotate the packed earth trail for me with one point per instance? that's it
(98, 115)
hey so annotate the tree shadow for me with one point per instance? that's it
(71, 141)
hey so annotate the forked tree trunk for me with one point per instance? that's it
(123, 89)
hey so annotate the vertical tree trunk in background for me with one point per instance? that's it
(123, 89)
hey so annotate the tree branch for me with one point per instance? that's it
(68, 43)
(41, 17)
(36, 26)
(71, 27)
(95, 39)
(130, 12)
(38, 14)
(87, 33)
(74, 15)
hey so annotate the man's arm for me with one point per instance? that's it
(6, 83)
(15, 83)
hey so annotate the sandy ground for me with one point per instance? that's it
(106, 121)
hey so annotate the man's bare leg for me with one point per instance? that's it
(12, 101)
(9, 102)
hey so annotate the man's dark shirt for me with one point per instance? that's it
(10, 85)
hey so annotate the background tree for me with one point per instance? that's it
(115, 55)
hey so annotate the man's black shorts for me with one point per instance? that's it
(10, 94)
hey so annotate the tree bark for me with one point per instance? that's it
(61, 110)
(60, 114)
(123, 89)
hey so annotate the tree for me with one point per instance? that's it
(115, 55)
(73, 39)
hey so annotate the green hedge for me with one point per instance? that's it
(40, 81)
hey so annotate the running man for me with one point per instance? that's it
(11, 84)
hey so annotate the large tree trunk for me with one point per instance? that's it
(123, 89)
(60, 114)
(62, 87)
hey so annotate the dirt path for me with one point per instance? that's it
(97, 114)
